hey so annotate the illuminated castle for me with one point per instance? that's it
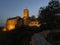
(28, 21)
(26, 16)
(15, 22)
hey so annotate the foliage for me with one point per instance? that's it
(47, 14)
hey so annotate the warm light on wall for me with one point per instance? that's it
(10, 27)
(11, 24)
(4, 29)
(34, 23)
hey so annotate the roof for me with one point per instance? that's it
(14, 18)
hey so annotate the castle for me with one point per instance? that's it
(17, 21)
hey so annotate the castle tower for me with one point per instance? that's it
(26, 15)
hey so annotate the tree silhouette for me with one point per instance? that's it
(47, 14)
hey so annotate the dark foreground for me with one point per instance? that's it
(23, 36)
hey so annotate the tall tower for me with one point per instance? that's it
(26, 15)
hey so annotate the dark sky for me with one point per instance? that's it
(12, 8)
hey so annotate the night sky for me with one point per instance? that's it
(13, 8)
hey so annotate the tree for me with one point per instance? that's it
(33, 18)
(54, 5)
(47, 14)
